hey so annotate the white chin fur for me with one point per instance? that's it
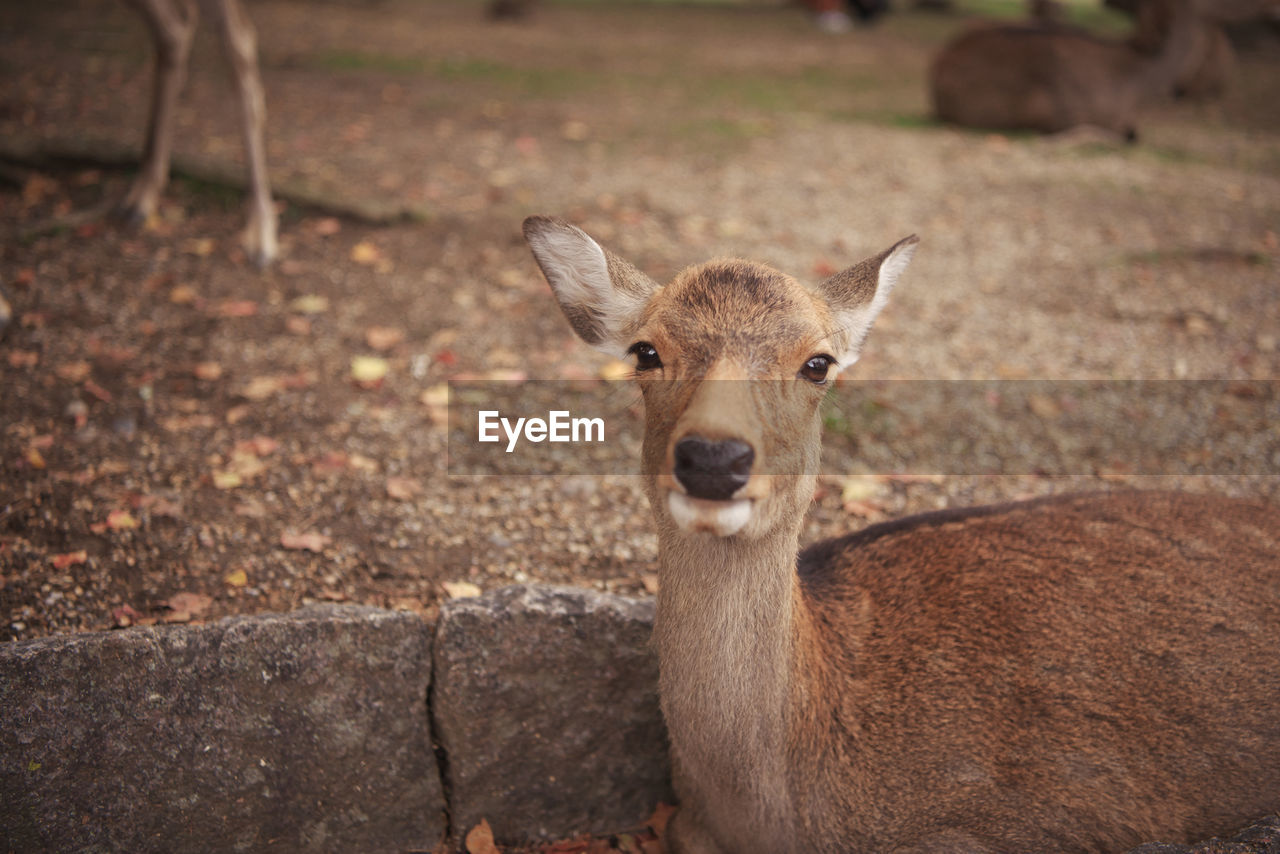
(722, 518)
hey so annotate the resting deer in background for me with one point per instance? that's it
(173, 24)
(1049, 78)
(1077, 674)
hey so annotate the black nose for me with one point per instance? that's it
(713, 470)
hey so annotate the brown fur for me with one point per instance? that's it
(1077, 674)
(1049, 78)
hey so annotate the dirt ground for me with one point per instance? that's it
(183, 438)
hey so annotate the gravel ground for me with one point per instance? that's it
(182, 438)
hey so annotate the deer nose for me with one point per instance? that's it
(713, 469)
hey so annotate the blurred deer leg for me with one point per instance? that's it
(241, 43)
(172, 25)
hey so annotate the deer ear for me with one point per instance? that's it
(857, 295)
(602, 296)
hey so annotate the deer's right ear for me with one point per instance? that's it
(602, 296)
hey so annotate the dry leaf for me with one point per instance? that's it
(73, 372)
(383, 338)
(366, 253)
(480, 839)
(858, 489)
(208, 371)
(185, 607)
(227, 480)
(650, 582)
(369, 371)
(237, 308)
(121, 520)
(68, 559)
(403, 488)
(310, 304)
(260, 388)
(661, 815)
(125, 616)
(461, 589)
(198, 246)
(326, 226)
(183, 295)
(23, 358)
(863, 509)
(34, 458)
(311, 541)
(1044, 406)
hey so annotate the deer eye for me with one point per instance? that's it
(815, 370)
(647, 358)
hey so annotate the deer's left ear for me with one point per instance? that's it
(856, 296)
(601, 295)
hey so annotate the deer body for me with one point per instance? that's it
(173, 25)
(1076, 674)
(1050, 78)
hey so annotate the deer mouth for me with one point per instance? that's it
(721, 518)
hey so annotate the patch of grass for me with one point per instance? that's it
(538, 82)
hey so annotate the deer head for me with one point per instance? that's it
(733, 360)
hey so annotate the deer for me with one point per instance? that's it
(173, 25)
(1052, 78)
(1073, 673)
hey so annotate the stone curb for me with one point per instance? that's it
(353, 729)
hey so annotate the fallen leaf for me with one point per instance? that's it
(296, 325)
(1044, 406)
(326, 226)
(73, 372)
(227, 480)
(97, 391)
(183, 295)
(661, 815)
(369, 371)
(461, 589)
(237, 308)
(23, 358)
(199, 246)
(311, 541)
(650, 582)
(121, 520)
(480, 839)
(863, 509)
(34, 458)
(208, 371)
(403, 488)
(383, 338)
(125, 616)
(310, 304)
(333, 462)
(262, 446)
(366, 253)
(260, 388)
(857, 489)
(67, 559)
(185, 607)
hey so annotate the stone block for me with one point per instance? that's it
(302, 732)
(545, 702)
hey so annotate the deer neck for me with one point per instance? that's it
(725, 636)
